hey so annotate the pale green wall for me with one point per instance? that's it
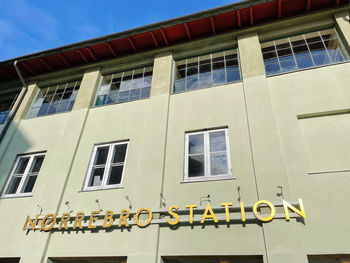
(269, 146)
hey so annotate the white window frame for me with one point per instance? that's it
(207, 175)
(24, 176)
(107, 166)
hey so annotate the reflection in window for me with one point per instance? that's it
(303, 51)
(106, 166)
(55, 99)
(207, 71)
(207, 155)
(125, 86)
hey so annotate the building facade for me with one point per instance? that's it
(163, 155)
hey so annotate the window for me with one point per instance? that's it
(125, 86)
(24, 175)
(303, 51)
(207, 71)
(106, 166)
(6, 103)
(55, 99)
(207, 155)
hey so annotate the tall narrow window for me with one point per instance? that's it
(55, 99)
(207, 155)
(125, 86)
(24, 175)
(303, 51)
(207, 71)
(106, 166)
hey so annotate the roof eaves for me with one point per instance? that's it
(139, 30)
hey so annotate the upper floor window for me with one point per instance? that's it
(24, 175)
(207, 155)
(125, 86)
(55, 99)
(303, 51)
(106, 166)
(207, 71)
(6, 103)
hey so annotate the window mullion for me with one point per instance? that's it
(108, 165)
(25, 174)
(291, 48)
(307, 45)
(186, 75)
(277, 56)
(207, 154)
(324, 45)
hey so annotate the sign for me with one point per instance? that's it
(227, 213)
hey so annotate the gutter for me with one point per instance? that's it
(16, 105)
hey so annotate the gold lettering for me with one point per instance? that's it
(212, 215)
(64, 219)
(148, 221)
(108, 220)
(92, 219)
(300, 212)
(242, 211)
(78, 218)
(32, 224)
(191, 211)
(47, 221)
(269, 204)
(124, 217)
(177, 218)
(227, 212)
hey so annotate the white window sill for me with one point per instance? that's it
(207, 179)
(16, 196)
(101, 189)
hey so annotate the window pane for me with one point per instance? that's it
(38, 161)
(217, 141)
(218, 163)
(196, 144)
(29, 184)
(101, 155)
(14, 183)
(21, 165)
(96, 176)
(119, 153)
(116, 175)
(196, 166)
(304, 60)
(145, 92)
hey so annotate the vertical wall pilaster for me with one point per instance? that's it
(87, 90)
(342, 21)
(26, 102)
(162, 74)
(267, 155)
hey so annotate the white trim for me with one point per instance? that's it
(19, 190)
(206, 152)
(107, 166)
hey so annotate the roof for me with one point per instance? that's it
(179, 30)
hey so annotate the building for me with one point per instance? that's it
(103, 140)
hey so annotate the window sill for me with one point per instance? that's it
(328, 172)
(305, 69)
(208, 179)
(15, 196)
(100, 189)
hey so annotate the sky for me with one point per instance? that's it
(29, 26)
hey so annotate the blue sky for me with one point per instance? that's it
(32, 26)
